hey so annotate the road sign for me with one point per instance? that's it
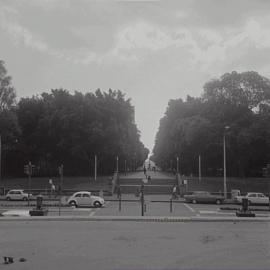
(29, 169)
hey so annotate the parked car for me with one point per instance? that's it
(85, 198)
(204, 197)
(253, 198)
(17, 194)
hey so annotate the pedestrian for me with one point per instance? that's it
(53, 189)
(149, 177)
(174, 193)
(144, 170)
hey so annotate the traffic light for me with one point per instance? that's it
(26, 169)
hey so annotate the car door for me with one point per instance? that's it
(17, 195)
(78, 198)
(262, 199)
(253, 198)
(11, 195)
(86, 199)
(204, 197)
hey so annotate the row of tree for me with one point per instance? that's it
(63, 128)
(236, 106)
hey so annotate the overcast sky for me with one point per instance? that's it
(153, 51)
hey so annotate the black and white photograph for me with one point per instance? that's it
(135, 134)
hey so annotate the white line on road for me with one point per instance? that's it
(96, 210)
(189, 207)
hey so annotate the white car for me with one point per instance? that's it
(17, 194)
(84, 198)
(254, 198)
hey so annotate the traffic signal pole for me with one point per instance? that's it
(29, 181)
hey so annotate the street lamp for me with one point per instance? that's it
(0, 159)
(117, 164)
(224, 162)
(177, 165)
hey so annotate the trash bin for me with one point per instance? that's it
(39, 202)
(244, 204)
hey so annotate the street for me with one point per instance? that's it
(135, 245)
(156, 205)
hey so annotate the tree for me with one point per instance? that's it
(9, 129)
(196, 126)
(59, 127)
(7, 91)
(247, 89)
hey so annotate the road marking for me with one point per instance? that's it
(97, 209)
(216, 212)
(189, 207)
(207, 212)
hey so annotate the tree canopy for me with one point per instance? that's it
(196, 127)
(62, 128)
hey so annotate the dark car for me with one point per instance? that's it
(204, 197)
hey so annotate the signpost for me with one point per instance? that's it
(28, 169)
(60, 188)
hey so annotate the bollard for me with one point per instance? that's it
(39, 202)
(120, 203)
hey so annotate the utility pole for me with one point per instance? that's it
(117, 164)
(0, 159)
(95, 167)
(200, 170)
(125, 167)
(224, 163)
(142, 198)
(29, 180)
(60, 188)
(177, 165)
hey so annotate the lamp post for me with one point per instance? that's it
(117, 164)
(0, 159)
(224, 163)
(200, 169)
(95, 177)
(177, 165)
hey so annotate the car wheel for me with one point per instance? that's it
(8, 198)
(218, 201)
(194, 201)
(24, 198)
(97, 204)
(73, 203)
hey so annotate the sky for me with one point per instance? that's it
(153, 51)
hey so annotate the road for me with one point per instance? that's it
(135, 245)
(156, 205)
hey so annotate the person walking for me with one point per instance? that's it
(174, 193)
(144, 170)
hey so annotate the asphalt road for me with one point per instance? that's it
(135, 245)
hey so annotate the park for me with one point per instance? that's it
(134, 135)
